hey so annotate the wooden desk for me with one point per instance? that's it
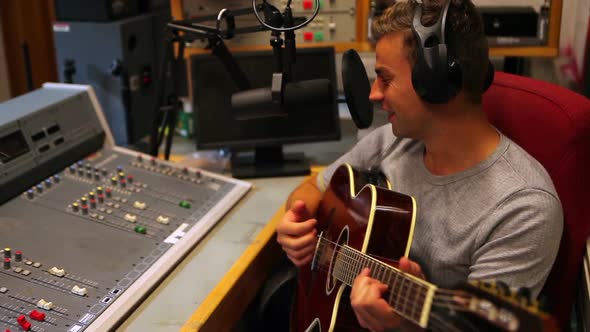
(228, 300)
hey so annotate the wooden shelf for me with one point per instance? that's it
(363, 45)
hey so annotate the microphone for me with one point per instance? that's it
(259, 103)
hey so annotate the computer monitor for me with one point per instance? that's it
(257, 144)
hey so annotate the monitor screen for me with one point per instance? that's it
(215, 122)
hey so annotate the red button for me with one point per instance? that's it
(36, 315)
(308, 36)
(307, 4)
(22, 321)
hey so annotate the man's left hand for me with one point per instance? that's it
(366, 298)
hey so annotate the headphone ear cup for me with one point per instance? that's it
(437, 88)
(489, 79)
(420, 85)
(455, 72)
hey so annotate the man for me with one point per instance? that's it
(486, 209)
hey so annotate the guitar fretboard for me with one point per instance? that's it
(409, 296)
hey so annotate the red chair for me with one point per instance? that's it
(553, 125)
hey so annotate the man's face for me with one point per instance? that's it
(393, 89)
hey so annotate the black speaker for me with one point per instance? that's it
(509, 21)
(95, 10)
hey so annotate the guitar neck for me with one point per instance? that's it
(410, 297)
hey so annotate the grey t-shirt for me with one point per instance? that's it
(499, 220)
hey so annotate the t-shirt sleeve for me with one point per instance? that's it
(520, 247)
(364, 155)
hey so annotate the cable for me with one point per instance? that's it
(316, 11)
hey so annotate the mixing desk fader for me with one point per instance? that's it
(84, 239)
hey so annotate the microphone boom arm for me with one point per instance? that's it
(191, 29)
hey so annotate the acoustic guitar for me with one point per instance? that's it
(365, 225)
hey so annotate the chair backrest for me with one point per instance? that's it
(553, 125)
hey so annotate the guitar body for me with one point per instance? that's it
(370, 219)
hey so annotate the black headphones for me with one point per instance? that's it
(437, 77)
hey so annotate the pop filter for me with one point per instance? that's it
(356, 89)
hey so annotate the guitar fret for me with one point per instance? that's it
(341, 264)
(412, 300)
(379, 273)
(422, 299)
(358, 265)
(336, 271)
(355, 265)
(407, 296)
(350, 261)
(375, 270)
(388, 283)
(346, 274)
(342, 259)
(402, 298)
(393, 291)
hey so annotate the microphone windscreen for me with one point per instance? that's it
(357, 89)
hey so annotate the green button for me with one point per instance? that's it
(321, 4)
(319, 36)
(140, 229)
(185, 204)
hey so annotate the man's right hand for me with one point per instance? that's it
(296, 233)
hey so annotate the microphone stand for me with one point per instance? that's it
(179, 33)
(281, 76)
(184, 31)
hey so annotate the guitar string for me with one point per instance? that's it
(410, 306)
(444, 300)
(358, 254)
(442, 294)
(439, 301)
(441, 298)
(417, 303)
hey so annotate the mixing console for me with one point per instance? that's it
(84, 243)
